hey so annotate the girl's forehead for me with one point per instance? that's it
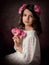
(27, 11)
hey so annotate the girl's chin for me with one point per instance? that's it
(26, 24)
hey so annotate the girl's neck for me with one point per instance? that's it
(28, 28)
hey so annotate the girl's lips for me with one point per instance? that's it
(26, 21)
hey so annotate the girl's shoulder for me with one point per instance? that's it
(31, 33)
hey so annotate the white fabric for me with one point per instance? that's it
(30, 52)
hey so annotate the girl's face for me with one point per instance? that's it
(27, 17)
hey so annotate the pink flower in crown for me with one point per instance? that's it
(21, 8)
(19, 32)
(37, 9)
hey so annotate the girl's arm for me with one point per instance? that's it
(34, 50)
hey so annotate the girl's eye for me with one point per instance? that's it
(24, 15)
(31, 16)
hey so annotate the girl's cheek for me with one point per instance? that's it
(24, 18)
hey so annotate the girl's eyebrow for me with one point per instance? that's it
(29, 14)
(24, 13)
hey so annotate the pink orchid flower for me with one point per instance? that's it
(23, 33)
(37, 9)
(21, 8)
(19, 32)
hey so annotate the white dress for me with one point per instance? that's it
(30, 52)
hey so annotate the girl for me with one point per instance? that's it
(27, 49)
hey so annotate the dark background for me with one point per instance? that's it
(9, 18)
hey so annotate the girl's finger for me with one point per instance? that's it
(14, 39)
(17, 37)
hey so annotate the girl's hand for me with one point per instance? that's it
(17, 43)
(17, 40)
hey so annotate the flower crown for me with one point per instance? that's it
(36, 9)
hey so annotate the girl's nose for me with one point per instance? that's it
(27, 17)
